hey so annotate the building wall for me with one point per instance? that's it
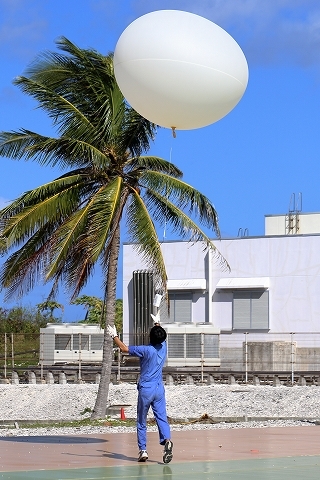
(308, 223)
(292, 264)
(199, 307)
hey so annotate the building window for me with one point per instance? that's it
(180, 308)
(250, 310)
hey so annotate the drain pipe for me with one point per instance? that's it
(210, 290)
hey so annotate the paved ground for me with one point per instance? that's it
(261, 453)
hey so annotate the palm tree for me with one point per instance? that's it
(59, 231)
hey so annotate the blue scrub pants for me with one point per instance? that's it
(154, 396)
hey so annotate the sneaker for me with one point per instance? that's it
(143, 456)
(167, 453)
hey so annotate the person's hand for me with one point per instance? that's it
(112, 331)
(156, 318)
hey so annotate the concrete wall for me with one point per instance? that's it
(268, 356)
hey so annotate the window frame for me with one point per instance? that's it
(179, 313)
(257, 308)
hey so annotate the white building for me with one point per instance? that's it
(273, 286)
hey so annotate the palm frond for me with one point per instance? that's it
(137, 133)
(33, 197)
(78, 91)
(63, 152)
(102, 215)
(62, 112)
(142, 231)
(183, 195)
(164, 211)
(95, 219)
(155, 164)
(25, 267)
(37, 209)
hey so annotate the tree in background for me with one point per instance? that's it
(94, 307)
(19, 335)
(47, 308)
(59, 231)
(119, 315)
(21, 320)
(94, 314)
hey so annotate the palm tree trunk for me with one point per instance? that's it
(100, 407)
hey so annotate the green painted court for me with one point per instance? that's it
(230, 454)
(280, 468)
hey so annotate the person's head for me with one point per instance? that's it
(157, 335)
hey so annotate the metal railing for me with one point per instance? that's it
(245, 354)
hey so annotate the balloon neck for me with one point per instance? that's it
(174, 134)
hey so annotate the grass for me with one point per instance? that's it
(86, 422)
(108, 422)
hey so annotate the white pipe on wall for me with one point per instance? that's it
(210, 289)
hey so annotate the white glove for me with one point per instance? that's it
(112, 331)
(156, 318)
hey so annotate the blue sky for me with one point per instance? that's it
(249, 163)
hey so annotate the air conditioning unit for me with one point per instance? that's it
(192, 344)
(70, 342)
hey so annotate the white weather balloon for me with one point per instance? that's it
(179, 70)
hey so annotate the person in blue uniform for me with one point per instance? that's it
(150, 388)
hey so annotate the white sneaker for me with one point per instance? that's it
(143, 456)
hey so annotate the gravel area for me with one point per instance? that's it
(256, 406)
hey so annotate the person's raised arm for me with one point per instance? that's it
(112, 331)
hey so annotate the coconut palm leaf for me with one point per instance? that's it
(142, 231)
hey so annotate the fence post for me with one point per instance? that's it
(246, 356)
(119, 365)
(292, 359)
(41, 355)
(12, 352)
(5, 355)
(80, 346)
(202, 356)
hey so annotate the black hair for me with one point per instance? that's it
(157, 335)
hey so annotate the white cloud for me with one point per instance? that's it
(21, 29)
(269, 31)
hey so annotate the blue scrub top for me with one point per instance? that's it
(152, 358)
